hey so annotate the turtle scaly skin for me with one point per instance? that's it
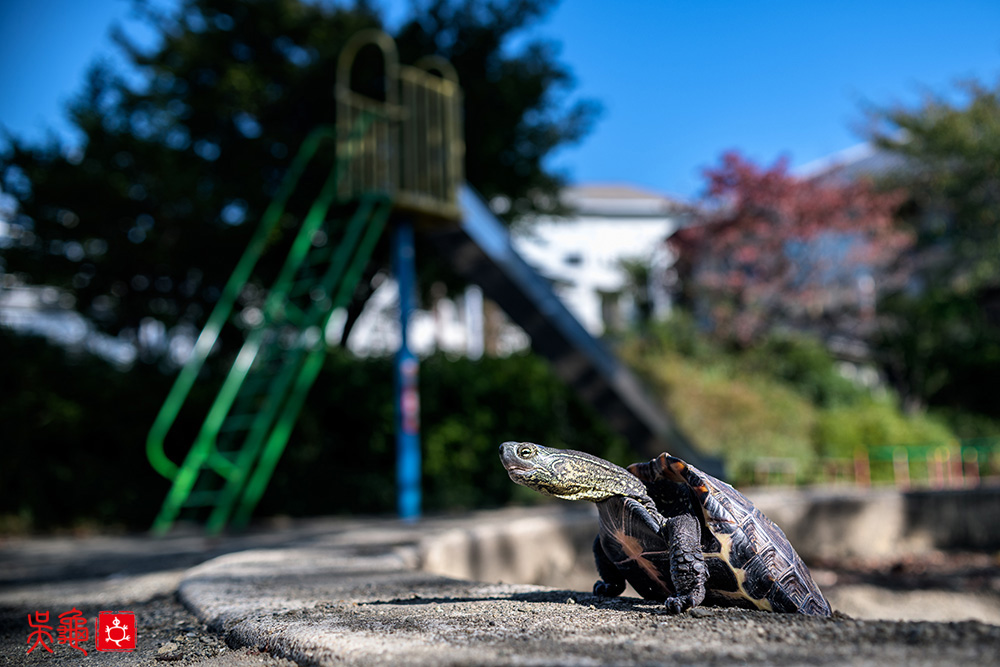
(659, 556)
(674, 532)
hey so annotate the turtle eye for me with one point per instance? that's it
(525, 452)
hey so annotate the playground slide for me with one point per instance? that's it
(480, 250)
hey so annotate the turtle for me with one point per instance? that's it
(674, 532)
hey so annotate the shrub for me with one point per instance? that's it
(76, 430)
(783, 399)
(842, 431)
(738, 416)
(807, 366)
(342, 456)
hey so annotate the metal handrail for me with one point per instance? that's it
(179, 391)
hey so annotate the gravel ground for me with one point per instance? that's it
(934, 586)
(169, 634)
(134, 573)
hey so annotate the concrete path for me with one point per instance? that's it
(360, 593)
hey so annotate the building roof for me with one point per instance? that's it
(850, 164)
(619, 200)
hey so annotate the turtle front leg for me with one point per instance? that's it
(688, 571)
(612, 581)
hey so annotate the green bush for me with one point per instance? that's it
(678, 335)
(966, 424)
(470, 407)
(74, 432)
(342, 456)
(738, 416)
(75, 429)
(782, 399)
(805, 365)
(842, 431)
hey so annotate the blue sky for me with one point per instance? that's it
(681, 82)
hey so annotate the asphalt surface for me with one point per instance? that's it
(334, 592)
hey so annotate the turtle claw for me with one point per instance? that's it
(604, 589)
(679, 604)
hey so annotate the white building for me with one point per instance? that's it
(582, 254)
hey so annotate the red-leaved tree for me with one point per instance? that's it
(768, 249)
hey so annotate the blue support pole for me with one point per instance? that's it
(407, 386)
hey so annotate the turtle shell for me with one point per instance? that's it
(749, 558)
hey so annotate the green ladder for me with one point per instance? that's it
(231, 460)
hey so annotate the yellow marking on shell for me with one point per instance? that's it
(763, 604)
(725, 549)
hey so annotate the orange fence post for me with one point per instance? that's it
(862, 469)
(970, 461)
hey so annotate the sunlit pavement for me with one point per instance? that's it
(371, 592)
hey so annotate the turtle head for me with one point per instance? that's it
(566, 473)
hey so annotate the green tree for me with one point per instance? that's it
(951, 168)
(940, 338)
(941, 348)
(183, 150)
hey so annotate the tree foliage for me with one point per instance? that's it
(781, 401)
(941, 348)
(769, 249)
(79, 461)
(951, 171)
(940, 339)
(183, 151)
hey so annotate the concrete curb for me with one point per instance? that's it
(863, 523)
(360, 597)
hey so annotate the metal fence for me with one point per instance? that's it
(958, 464)
(414, 151)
